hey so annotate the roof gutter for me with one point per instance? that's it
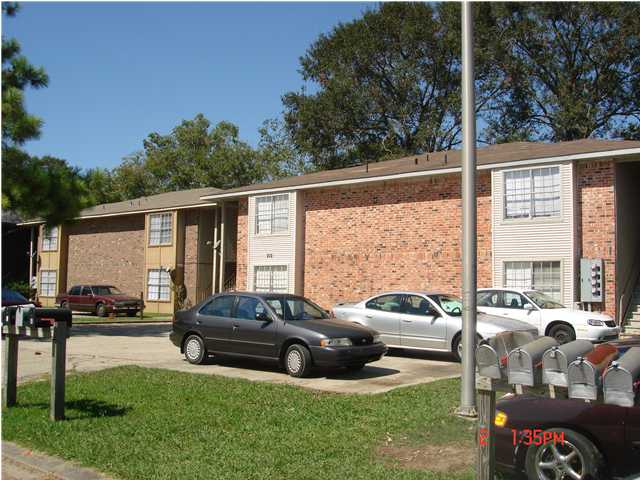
(121, 214)
(426, 173)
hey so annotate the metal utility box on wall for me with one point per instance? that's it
(591, 280)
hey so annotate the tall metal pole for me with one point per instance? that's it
(469, 254)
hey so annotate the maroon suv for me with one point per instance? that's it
(99, 299)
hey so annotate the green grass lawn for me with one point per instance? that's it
(79, 318)
(138, 423)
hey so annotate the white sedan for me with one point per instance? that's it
(550, 317)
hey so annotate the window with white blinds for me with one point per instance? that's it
(271, 278)
(158, 285)
(544, 276)
(532, 193)
(48, 283)
(160, 229)
(49, 239)
(272, 214)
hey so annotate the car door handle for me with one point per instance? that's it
(198, 322)
(407, 321)
(369, 316)
(235, 328)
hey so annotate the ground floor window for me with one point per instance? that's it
(48, 283)
(544, 276)
(271, 278)
(158, 285)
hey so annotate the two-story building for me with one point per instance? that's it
(345, 234)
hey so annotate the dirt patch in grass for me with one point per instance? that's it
(435, 458)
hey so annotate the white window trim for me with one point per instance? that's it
(271, 267)
(55, 284)
(159, 285)
(48, 238)
(529, 260)
(285, 232)
(160, 243)
(530, 219)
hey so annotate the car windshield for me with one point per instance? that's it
(450, 304)
(104, 290)
(543, 300)
(11, 296)
(292, 308)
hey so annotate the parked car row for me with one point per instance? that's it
(100, 300)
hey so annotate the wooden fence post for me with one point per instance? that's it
(486, 459)
(141, 305)
(58, 366)
(10, 374)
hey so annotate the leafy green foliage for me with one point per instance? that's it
(34, 187)
(571, 70)
(138, 423)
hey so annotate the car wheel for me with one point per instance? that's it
(64, 304)
(562, 333)
(572, 457)
(194, 350)
(457, 346)
(297, 360)
(101, 310)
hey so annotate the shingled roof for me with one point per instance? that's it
(162, 201)
(444, 161)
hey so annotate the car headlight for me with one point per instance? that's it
(336, 342)
(501, 419)
(595, 322)
(376, 339)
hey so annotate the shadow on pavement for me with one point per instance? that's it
(421, 354)
(121, 330)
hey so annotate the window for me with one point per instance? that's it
(219, 306)
(49, 239)
(532, 193)
(158, 285)
(271, 278)
(488, 299)
(414, 305)
(296, 308)
(386, 303)
(160, 229)
(272, 214)
(542, 276)
(248, 308)
(48, 283)
(513, 300)
(86, 291)
(75, 290)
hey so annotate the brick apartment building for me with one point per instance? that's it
(346, 234)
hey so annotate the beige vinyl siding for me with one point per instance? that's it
(273, 249)
(535, 239)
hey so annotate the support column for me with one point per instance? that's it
(223, 219)
(214, 273)
(10, 377)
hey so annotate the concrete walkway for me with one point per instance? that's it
(24, 464)
(95, 347)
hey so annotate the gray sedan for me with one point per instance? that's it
(422, 320)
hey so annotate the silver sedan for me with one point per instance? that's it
(422, 320)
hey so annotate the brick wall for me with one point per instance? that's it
(243, 235)
(192, 218)
(394, 235)
(597, 221)
(107, 250)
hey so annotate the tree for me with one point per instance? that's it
(572, 70)
(34, 187)
(279, 155)
(102, 187)
(388, 85)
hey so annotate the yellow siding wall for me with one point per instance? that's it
(156, 257)
(53, 260)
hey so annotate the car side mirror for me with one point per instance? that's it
(263, 317)
(527, 306)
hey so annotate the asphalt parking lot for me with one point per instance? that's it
(94, 347)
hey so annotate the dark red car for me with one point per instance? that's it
(551, 439)
(99, 299)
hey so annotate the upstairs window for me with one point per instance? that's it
(160, 229)
(532, 193)
(272, 214)
(50, 239)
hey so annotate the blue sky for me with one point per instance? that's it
(119, 71)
